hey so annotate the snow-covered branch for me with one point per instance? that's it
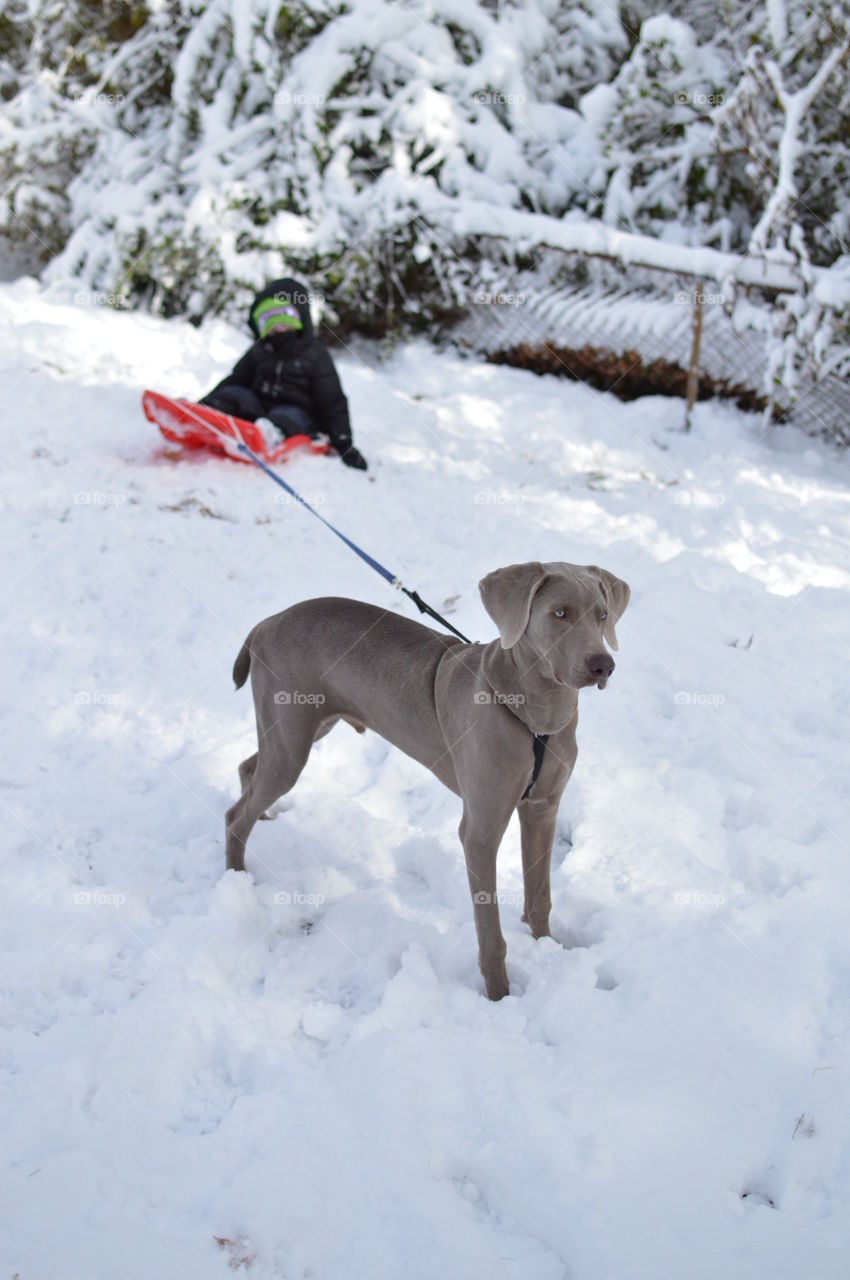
(795, 107)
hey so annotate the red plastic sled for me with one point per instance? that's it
(196, 426)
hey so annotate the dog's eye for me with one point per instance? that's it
(604, 615)
(560, 613)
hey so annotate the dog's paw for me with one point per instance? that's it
(497, 985)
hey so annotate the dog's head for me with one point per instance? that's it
(563, 612)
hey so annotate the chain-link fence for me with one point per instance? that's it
(630, 330)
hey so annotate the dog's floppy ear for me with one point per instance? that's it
(507, 595)
(617, 593)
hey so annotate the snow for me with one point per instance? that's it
(293, 1072)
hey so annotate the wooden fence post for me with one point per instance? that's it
(692, 385)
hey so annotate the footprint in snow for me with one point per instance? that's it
(605, 980)
(753, 1195)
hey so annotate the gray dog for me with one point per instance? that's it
(470, 713)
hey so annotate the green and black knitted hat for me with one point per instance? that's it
(275, 313)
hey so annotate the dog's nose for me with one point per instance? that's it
(600, 665)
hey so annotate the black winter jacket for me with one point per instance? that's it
(294, 368)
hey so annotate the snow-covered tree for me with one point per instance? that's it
(177, 152)
(653, 122)
(788, 118)
(196, 148)
(736, 131)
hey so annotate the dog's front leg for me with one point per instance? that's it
(480, 849)
(537, 820)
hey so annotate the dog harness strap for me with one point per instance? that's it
(540, 740)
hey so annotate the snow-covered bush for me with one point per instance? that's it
(185, 154)
(177, 152)
(787, 118)
(737, 132)
(653, 122)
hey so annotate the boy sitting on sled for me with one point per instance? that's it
(287, 377)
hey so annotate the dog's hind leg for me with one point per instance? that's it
(246, 770)
(246, 773)
(270, 774)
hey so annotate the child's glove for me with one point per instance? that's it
(353, 458)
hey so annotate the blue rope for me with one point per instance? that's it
(364, 555)
(373, 563)
(242, 447)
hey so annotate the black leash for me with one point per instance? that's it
(426, 608)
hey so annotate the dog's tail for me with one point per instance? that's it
(242, 665)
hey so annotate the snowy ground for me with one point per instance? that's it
(318, 1082)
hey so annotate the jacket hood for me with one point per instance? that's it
(285, 290)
